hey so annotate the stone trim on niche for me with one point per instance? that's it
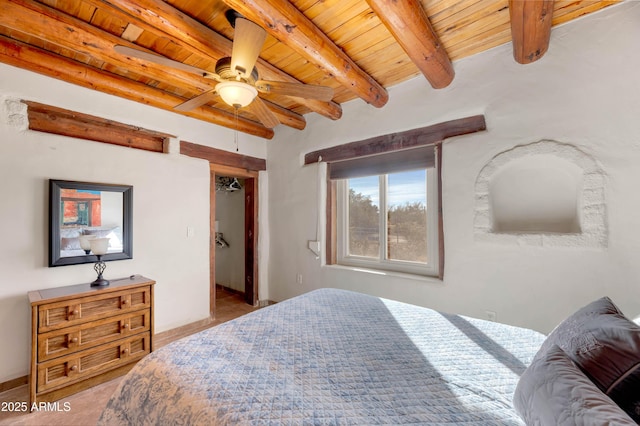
(592, 208)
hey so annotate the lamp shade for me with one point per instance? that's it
(99, 246)
(236, 93)
(85, 241)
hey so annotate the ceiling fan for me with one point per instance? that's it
(238, 80)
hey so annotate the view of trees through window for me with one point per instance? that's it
(364, 225)
(405, 223)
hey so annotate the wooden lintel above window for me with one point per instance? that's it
(415, 138)
(50, 119)
(221, 157)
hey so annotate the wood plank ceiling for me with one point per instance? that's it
(357, 47)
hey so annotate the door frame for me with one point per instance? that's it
(236, 165)
(251, 231)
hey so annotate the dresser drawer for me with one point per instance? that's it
(73, 339)
(83, 335)
(58, 315)
(66, 370)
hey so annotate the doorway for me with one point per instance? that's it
(247, 181)
(229, 234)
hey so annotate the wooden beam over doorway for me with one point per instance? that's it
(221, 157)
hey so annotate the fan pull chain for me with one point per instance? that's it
(235, 134)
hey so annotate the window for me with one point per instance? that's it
(387, 158)
(389, 221)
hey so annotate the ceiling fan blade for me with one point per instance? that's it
(161, 60)
(300, 90)
(199, 100)
(264, 114)
(247, 44)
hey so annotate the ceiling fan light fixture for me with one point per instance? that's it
(236, 93)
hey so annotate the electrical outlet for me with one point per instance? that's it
(491, 315)
(299, 278)
(190, 232)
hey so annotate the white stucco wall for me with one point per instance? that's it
(583, 92)
(171, 193)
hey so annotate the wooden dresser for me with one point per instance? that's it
(82, 336)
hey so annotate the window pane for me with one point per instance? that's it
(407, 216)
(364, 216)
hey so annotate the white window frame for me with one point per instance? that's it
(415, 268)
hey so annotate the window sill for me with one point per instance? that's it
(381, 272)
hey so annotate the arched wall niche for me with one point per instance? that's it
(545, 193)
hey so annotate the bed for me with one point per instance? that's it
(332, 357)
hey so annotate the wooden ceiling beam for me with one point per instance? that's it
(287, 24)
(530, 28)
(408, 23)
(164, 20)
(287, 117)
(51, 25)
(63, 30)
(40, 61)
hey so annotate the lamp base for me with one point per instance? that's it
(100, 282)
(99, 267)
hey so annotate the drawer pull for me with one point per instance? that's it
(125, 351)
(74, 340)
(125, 326)
(75, 312)
(74, 367)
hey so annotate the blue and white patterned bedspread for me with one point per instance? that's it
(332, 357)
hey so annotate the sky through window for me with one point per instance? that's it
(406, 187)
